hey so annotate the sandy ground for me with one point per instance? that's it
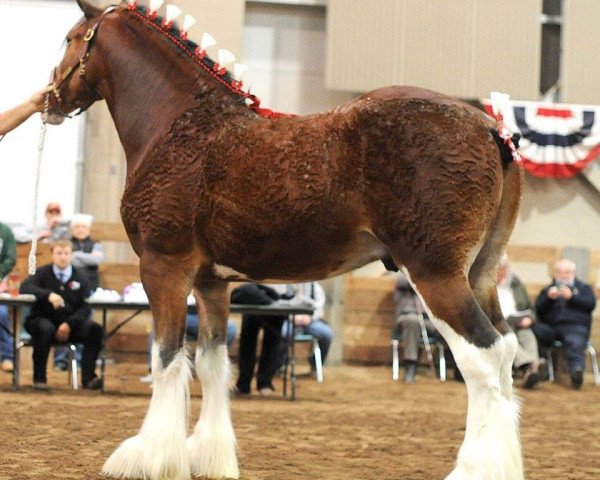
(358, 425)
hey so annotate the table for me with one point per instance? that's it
(276, 309)
(279, 308)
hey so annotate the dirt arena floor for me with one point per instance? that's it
(358, 425)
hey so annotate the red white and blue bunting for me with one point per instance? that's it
(557, 140)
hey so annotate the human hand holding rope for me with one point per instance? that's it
(14, 117)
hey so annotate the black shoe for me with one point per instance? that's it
(95, 383)
(577, 378)
(543, 370)
(458, 376)
(410, 372)
(61, 367)
(532, 376)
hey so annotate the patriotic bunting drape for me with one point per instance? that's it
(557, 140)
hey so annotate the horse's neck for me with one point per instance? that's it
(145, 97)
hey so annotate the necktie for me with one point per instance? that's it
(61, 277)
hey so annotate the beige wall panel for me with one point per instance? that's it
(506, 48)
(558, 212)
(435, 45)
(362, 39)
(224, 20)
(581, 50)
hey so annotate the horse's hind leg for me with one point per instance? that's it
(212, 446)
(482, 275)
(159, 450)
(491, 447)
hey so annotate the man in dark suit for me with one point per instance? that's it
(60, 314)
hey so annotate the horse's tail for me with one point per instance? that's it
(505, 152)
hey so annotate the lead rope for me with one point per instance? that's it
(34, 236)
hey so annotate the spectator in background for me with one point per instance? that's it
(8, 257)
(255, 294)
(313, 294)
(54, 227)
(87, 256)
(520, 315)
(60, 314)
(409, 315)
(565, 313)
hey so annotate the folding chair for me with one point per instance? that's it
(433, 341)
(25, 341)
(589, 348)
(305, 338)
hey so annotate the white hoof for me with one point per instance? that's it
(213, 456)
(149, 459)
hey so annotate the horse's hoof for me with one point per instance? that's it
(213, 457)
(141, 457)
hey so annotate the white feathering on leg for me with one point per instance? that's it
(159, 450)
(212, 446)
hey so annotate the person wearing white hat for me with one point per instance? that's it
(87, 254)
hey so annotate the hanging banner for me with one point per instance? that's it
(557, 140)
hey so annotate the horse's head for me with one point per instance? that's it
(75, 78)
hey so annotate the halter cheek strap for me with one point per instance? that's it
(80, 65)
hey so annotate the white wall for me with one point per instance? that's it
(284, 46)
(31, 35)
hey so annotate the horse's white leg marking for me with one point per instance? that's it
(212, 446)
(158, 451)
(491, 449)
(510, 350)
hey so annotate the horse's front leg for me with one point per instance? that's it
(212, 446)
(159, 450)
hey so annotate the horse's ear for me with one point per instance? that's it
(89, 10)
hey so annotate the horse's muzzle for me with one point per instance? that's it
(55, 118)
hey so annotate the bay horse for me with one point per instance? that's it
(217, 191)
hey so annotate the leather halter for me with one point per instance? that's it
(80, 65)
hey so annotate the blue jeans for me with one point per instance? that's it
(318, 329)
(191, 333)
(6, 339)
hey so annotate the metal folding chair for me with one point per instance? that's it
(589, 348)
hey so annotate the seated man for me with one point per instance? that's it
(87, 256)
(60, 314)
(409, 315)
(520, 315)
(565, 313)
(313, 294)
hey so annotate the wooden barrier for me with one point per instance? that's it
(369, 303)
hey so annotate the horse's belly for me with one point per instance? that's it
(305, 262)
